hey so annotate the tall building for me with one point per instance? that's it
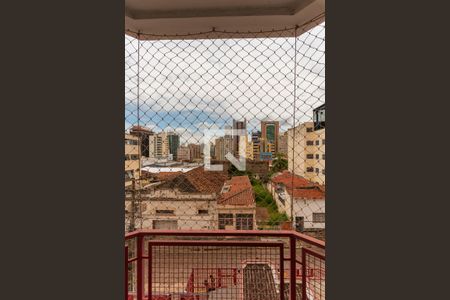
(237, 139)
(223, 145)
(195, 151)
(159, 145)
(249, 151)
(282, 144)
(306, 149)
(212, 150)
(144, 135)
(174, 143)
(184, 153)
(132, 158)
(269, 136)
(256, 144)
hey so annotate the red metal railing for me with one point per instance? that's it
(162, 264)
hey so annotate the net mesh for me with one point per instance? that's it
(226, 133)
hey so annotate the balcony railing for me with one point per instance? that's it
(223, 264)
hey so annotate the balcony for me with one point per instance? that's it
(221, 99)
(222, 264)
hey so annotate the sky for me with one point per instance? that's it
(188, 85)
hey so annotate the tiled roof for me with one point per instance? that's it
(307, 194)
(300, 187)
(240, 192)
(196, 181)
(288, 179)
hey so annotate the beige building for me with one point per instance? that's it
(195, 151)
(159, 145)
(306, 152)
(249, 151)
(223, 145)
(197, 199)
(183, 153)
(132, 158)
(282, 144)
(182, 200)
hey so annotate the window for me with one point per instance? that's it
(317, 156)
(323, 142)
(203, 212)
(225, 220)
(310, 143)
(244, 221)
(134, 157)
(310, 169)
(309, 156)
(323, 156)
(164, 212)
(323, 171)
(317, 170)
(317, 143)
(309, 129)
(131, 142)
(318, 217)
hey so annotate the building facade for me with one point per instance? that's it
(236, 206)
(237, 139)
(195, 152)
(132, 159)
(182, 200)
(306, 152)
(269, 136)
(173, 140)
(256, 144)
(283, 144)
(302, 200)
(223, 145)
(144, 135)
(184, 153)
(159, 145)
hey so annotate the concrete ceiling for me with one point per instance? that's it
(168, 18)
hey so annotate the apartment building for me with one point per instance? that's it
(159, 145)
(145, 135)
(184, 153)
(249, 151)
(173, 140)
(282, 144)
(256, 144)
(306, 152)
(269, 136)
(238, 140)
(300, 198)
(223, 145)
(195, 152)
(132, 158)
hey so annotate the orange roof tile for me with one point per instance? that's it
(240, 192)
(197, 180)
(300, 187)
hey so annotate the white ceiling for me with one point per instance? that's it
(181, 17)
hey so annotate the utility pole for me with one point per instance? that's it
(132, 225)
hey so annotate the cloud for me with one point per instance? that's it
(185, 83)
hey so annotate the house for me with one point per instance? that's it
(183, 200)
(236, 205)
(300, 198)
